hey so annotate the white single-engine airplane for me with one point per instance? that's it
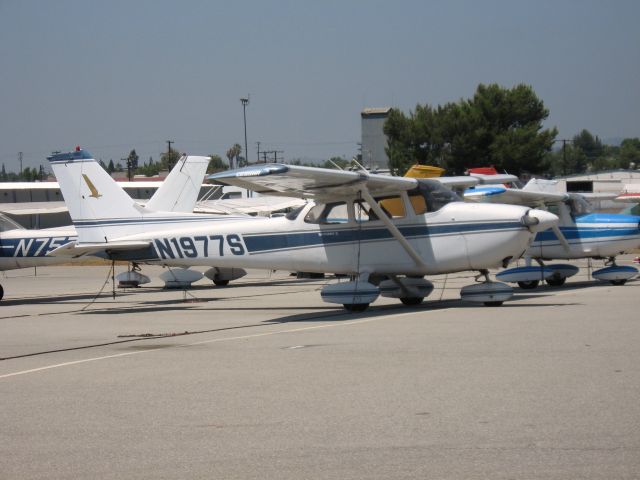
(346, 229)
(22, 248)
(581, 234)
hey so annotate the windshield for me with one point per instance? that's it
(579, 205)
(435, 194)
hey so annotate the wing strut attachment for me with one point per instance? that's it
(393, 229)
(561, 237)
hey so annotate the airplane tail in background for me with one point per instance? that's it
(102, 211)
(179, 191)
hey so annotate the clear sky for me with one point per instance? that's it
(116, 75)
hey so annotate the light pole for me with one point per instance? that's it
(245, 102)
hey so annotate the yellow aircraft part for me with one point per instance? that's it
(424, 171)
(394, 205)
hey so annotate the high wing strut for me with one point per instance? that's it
(393, 229)
(561, 237)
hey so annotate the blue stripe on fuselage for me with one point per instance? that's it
(607, 218)
(278, 241)
(31, 247)
(578, 233)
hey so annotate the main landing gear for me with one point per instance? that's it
(529, 277)
(615, 274)
(492, 294)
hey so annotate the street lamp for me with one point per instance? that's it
(245, 102)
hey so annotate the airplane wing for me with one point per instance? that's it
(494, 179)
(310, 182)
(512, 196)
(457, 182)
(628, 197)
(72, 250)
(33, 208)
(261, 204)
(595, 196)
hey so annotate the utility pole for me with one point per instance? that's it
(258, 143)
(564, 154)
(169, 162)
(245, 102)
(20, 159)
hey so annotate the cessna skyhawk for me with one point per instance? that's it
(344, 229)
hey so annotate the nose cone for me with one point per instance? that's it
(539, 220)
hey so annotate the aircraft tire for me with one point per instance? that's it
(529, 284)
(411, 300)
(356, 307)
(221, 283)
(556, 281)
(493, 304)
(613, 282)
(1, 292)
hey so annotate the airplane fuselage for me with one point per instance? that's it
(29, 248)
(457, 237)
(591, 235)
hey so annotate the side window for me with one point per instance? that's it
(363, 212)
(393, 207)
(313, 216)
(331, 213)
(418, 203)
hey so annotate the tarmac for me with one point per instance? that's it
(262, 380)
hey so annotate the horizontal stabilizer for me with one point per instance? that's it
(73, 250)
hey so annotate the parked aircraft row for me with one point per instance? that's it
(386, 233)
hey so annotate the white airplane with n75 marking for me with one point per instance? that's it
(22, 248)
(346, 228)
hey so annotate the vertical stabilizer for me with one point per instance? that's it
(179, 191)
(96, 203)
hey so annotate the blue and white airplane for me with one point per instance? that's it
(581, 233)
(22, 248)
(345, 229)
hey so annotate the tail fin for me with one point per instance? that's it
(179, 191)
(95, 201)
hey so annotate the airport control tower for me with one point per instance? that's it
(374, 141)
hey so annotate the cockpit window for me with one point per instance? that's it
(579, 205)
(7, 224)
(330, 213)
(293, 214)
(435, 195)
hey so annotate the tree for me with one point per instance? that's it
(111, 167)
(169, 159)
(413, 139)
(132, 160)
(3, 174)
(216, 164)
(590, 145)
(498, 126)
(233, 154)
(629, 153)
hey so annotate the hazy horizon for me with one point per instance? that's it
(114, 76)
